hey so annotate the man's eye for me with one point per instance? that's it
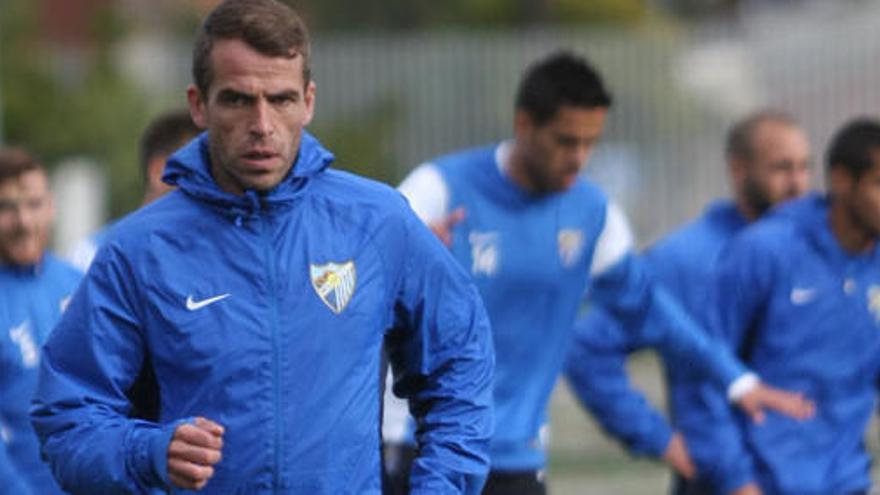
(234, 99)
(282, 101)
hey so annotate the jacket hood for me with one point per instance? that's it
(189, 168)
(807, 212)
(810, 215)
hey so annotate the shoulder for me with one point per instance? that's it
(61, 270)
(705, 235)
(466, 157)
(679, 243)
(363, 204)
(773, 233)
(348, 189)
(585, 190)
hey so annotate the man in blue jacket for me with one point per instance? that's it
(260, 292)
(535, 235)
(797, 295)
(34, 289)
(768, 159)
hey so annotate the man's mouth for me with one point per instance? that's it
(260, 157)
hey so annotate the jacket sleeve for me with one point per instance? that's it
(631, 296)
(443, 360)
(741, 284)
(596, 370)
(10, 479)
(80, 407)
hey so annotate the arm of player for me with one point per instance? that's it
(595, 368)
(79, 410)
(428, 196)
(629, 294)
(10, 479)
(622, 285)
(442, 354)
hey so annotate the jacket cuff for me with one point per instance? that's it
(149, 453)
(741, 386)
(657, 443)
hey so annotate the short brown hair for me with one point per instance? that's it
(741, 136)
(165, 134)
(267, 26)
(16, 161)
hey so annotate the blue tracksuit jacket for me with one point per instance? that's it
(31, 302)
(805, 315)
(531, 258)
(683, 263)
(267, 313)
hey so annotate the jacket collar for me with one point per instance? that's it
(189, 168)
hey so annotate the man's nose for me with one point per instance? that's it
(261, 120)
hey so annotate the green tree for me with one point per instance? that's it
(63, 101)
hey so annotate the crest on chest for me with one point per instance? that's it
(485, 253)
(571, 245)
(874, 301)
(334, 283)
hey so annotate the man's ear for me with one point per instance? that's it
(196, 106)
(840, 181)
(738, 169)
(310, 102)
(523, 124)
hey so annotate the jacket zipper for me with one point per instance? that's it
(276, 348)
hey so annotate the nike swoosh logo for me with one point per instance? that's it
(194, 305)
(802, 296)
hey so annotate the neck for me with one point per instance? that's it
(516, 169)
(852, 235)
(745, 209)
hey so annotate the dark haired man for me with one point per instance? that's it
(164, 134)
(260, 292)
(34, 289)
(768, 161)
(535, 236)
(797, 294)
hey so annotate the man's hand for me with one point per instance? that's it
(194, 449)
(676, 456)
(763, 397)
(443, 228)
(750, 489)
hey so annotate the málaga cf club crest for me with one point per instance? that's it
(874, 301)
(334, 283)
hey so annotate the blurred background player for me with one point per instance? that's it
(34, 289)
(797, 295)
(768, 161)
(164, 135)
(534, 235)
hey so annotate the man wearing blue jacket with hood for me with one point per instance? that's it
(34, 289)
(768, 160)
(260, 292)
(535, 235)
(797, 295)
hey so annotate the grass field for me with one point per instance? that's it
(584, 462)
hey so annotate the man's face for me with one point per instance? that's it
(862, 196)
(554, 153)
(26, 215)
(255, 110)
(779, 169)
